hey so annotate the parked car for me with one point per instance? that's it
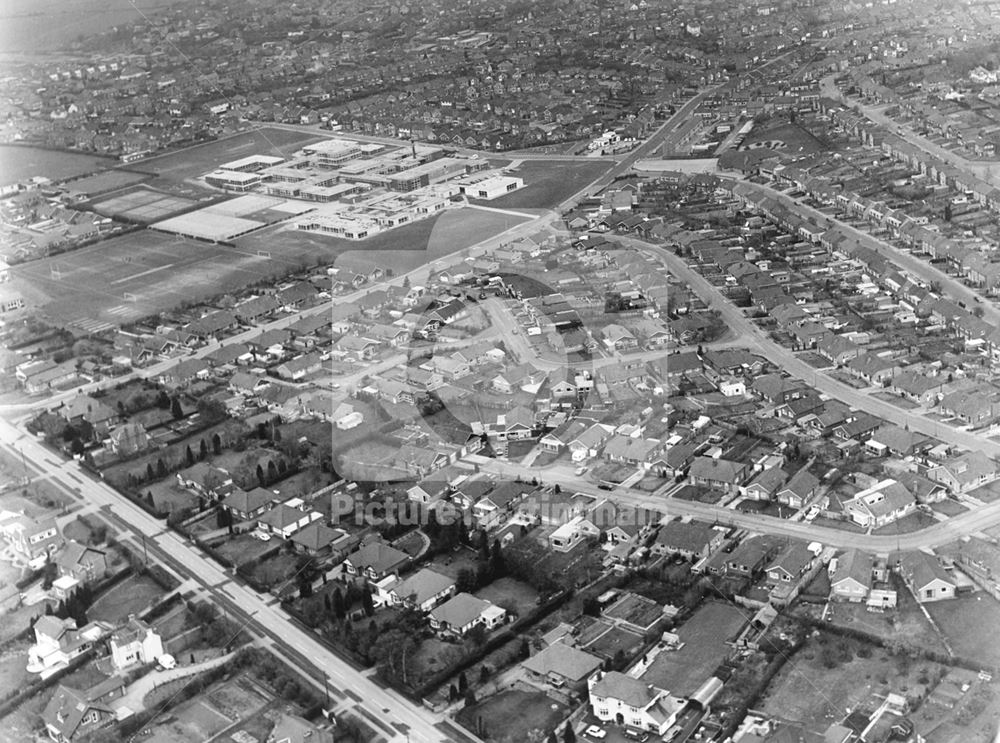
(261, 535)
(812, 513)
(595, 732)
(166, 662)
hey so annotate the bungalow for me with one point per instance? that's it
(764, 486)
(631, 450)
(319, 540)
(926, 578)
(799, 489)
(283, 520)
(300, 367)
(964, 472)
(562, 666)
(693, 540)
(423, 590)
(837, 349)
(618, 338)
(851, 576)
(375, 560)
(873, 368)
(247, 384)
(747, 559)
(492, 508)
(353, 346)
(458, 615)
(881, 504)
(81, 562)
(790, 564)
(719, 474)
(205, 479)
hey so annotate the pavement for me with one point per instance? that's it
(135, 694)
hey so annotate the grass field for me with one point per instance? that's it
(508, 590)
(107, 181)
(204, 158)
(704, 635)
(513, 716)
(547, 183)
(120, 280)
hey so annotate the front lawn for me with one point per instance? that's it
(514, 716)
(131, 596)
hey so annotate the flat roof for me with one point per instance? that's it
(252, 160)
(208, 224)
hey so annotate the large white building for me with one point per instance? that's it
(628, 702)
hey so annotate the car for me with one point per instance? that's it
(166, 662)
(595, 732)
(580, 470)
(812, 513)
(636, 734)
(261, 535)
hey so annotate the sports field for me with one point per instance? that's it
(118, 281)
(204, 158)
(547, 183)
(105, 182)
(143, 205)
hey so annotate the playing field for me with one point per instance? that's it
(143, 205)
(109, 180)
(232, 218)
(118, 281)
(204, 158)
(547, 183)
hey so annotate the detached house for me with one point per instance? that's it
(692, 540)
(718, 474)
(375, 560)
(964, 472)
(423, 590)
(631, 703)
(463, 611)
(880, 504)
(72, 713)
(925, 576)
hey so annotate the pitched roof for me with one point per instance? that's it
(630, 691)
(423, 585)
(460, 610)
(563, 660)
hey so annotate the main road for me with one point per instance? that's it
(260, 613)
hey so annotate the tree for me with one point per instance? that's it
(163, 400)
(484, 674)
(149, 471)
(452, 692)
(223, 518)
(569, 735)
(175, 408)
(216, 444)
(260, 476)
(339, 608)
(947, 211)
(76, 447)
(161, 468)
(149, 499)
(272, 471)
(203, 450)
(463, 683)
(366, 603)
(553, 738)
(470, 698)
(497, 565)
(188, 455)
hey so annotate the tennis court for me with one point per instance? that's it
(232, 218)
(143, 205)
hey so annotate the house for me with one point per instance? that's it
(463, 611)
(765, 484)
(574, 531)
(375, 560)
(632, 703)
(247, 384)
(851, 580)
(128, 439)
(319, 540)
(718, 474)
(747, 559)
(881, 504)
(283, 520)
(790, 564)
(85, 407)
(799, 489)
(246, 505)
(135, 642)
(300, 367)
(423, 590)
(81, 562)
(32, 539)
(964, 472)
(693, 540)
(631, 450)
(926, 578)
(492, 508)
(205, 479)
(516, 424)
(72, 713)
(562, 666)
(618, 338)
(58, 641)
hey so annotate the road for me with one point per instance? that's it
(259, 612)
(828, 88)
(785, 359)
(940, 533)
(923, 269)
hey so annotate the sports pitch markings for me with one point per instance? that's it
(142, 273)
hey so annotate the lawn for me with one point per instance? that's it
(970, 624)
(704, 636)
(828, 675)
(547, 183)
(130, 596)
(169, 496)
(616, 641)
(505, 591)
(274, 571)
(914, 522)
(13, 660)
(949, 507)
(515, 716)
(699, 494)
(243, 547)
